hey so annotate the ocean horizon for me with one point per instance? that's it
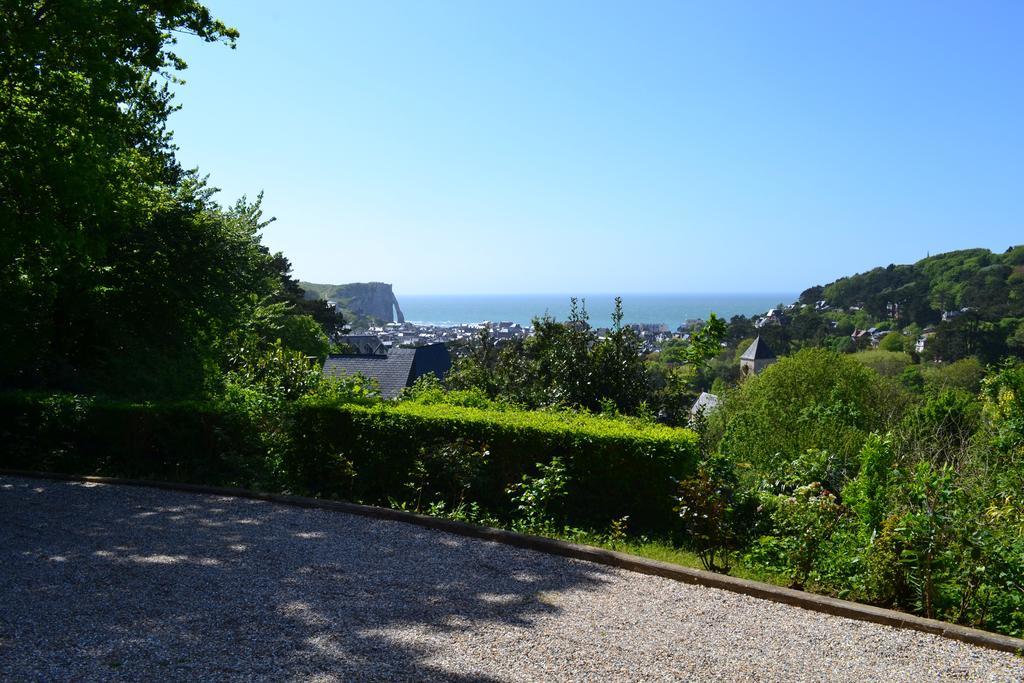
(670, 309)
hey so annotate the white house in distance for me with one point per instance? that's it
(756, 358)
(703, 406)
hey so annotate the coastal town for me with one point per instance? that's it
(409, 334)
(379, 337)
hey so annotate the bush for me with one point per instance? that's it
(368, 453)
(711, 510)
(804, 521)
(817, 399)
(885, 362)
(615, 466)
(184, 441)
(965, 374)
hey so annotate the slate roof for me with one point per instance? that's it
(758, 350)
(364, 343)
(394, 371)
(705, 403)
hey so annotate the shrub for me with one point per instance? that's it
(886, 362)
(710, 510)
(615, 466)
(816, 399)
(894, 341)
(804, 523)
(540, 500)
(965, 374)
(368, 453)
(444, 473)
(181, 441)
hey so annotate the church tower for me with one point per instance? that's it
(756, 358)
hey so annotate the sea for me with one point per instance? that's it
(671, 309)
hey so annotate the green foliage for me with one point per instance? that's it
(278, 372)
(1003, 391)
(540, 500)
(619, 373)
(841, 344)
(804, 521)
(885, 363)
(940, 428)
(816, 399)
(965, 374)
(983, 291)
(973, 333)
(119, 273)
(445, 472)
(427, 390)
(894, 342)
(368, 453)
(912, 380)
(868, 495)
(564, 364)
(709, 509)
(950, 281)
(113, 258)
(705, 343)
(926, 532)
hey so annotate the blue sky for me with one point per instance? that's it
(483, 147)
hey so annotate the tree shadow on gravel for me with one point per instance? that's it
(129, 583)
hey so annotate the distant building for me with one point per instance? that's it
(922, 341)
(704, 405)
(364, 344)
(756, 358)
(861, 338)
(396, 370)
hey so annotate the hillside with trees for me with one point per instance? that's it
(977, 279)
(974, 297)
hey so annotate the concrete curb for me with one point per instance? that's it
(764, 591)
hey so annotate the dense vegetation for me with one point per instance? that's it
(992, 284)
(119, 272)
(146, 331)
(471, 462)
(567, 364)
(907, 502)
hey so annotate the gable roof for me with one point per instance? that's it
(391, 371)
(394, 371)
(364, 343)
(430, 358)
(705, 403)
(758, 350)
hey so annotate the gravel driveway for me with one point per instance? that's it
(121, 583)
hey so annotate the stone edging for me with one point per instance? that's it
(764, 591)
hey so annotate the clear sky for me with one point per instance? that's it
(485, 147)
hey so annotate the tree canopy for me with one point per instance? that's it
(119, 272)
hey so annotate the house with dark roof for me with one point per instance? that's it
(756, 358)
(364, 343)
(395, 370)
(703, 406)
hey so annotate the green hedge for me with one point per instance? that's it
(616, 467)
(190, 442)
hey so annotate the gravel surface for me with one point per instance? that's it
(121, 583)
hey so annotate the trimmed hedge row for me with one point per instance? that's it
(615, 467)
(366, 454)
(191, 442)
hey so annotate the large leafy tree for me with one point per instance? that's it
(815, 399)
(86, 162)
(118, 270)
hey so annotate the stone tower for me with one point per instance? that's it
(756, 358)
